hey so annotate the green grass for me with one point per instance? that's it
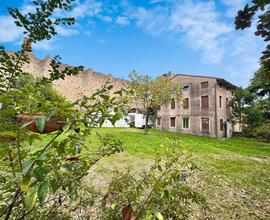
(233, 174)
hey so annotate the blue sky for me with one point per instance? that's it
(151, 37)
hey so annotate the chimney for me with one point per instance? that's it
(27, 44)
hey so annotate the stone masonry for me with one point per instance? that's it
(203, 110)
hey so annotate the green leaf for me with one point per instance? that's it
(42, 192)
(61, 147)
(40, 124)
(25, 183)
(26, 166)
(105, 97)
(77, 149)
(166, 194)
(159, 216)
(42, 156)
(54, 185)
(31, 198)
(39, 173)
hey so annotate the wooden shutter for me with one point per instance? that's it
(205, 101)
(173, 122)
(204, 85)
(205, 124)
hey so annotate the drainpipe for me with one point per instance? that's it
(216, 113)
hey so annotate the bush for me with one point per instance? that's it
(262, 132)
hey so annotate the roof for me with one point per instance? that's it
(220, 81)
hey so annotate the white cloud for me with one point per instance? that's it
(233, 6)
(197, 25)
(87, 8)
(244, 52)
(9, 32)
(44, 45)
(202, 27)
(62, 31)
(105, 18)
(121, 20)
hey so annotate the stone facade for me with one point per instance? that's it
(203, 110)
(73, 87)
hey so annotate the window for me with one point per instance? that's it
(173, 122)
(227, 103)
(205, 124)
(204, 85)
(185, 122)
(158, 121)
(232, 93)
(186, 103)
(221, 125)
(205, 101)
(185, 88)
(173, 104)
(158, 107)
(220, 101)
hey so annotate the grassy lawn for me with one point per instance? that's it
(233, 174)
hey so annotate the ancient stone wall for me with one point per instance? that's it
(73, 87)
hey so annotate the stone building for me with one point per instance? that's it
(203, 110)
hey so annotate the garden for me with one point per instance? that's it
(58, 163)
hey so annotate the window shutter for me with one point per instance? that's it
(204, 85)
(205, 102)
(205, 124)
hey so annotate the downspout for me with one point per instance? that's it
(216, 113)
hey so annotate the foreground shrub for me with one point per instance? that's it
(160, 192)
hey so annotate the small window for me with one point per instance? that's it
(158, 107)
(158, 121)
(204, 85)
(205, 101)
(232, 93)
(221, 125)
(227, 103)
(173, 122)
(220, 101)
(185, 122)
(172, 104)
(205, 124)
(185, 88)
(186, 103)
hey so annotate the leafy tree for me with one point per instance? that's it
(260, 83)
(150, 93)
(241, 101)
(245, 18)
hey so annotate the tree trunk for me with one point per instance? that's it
(146, 124)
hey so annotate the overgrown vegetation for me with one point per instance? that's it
(42, 137)
(252, 105)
